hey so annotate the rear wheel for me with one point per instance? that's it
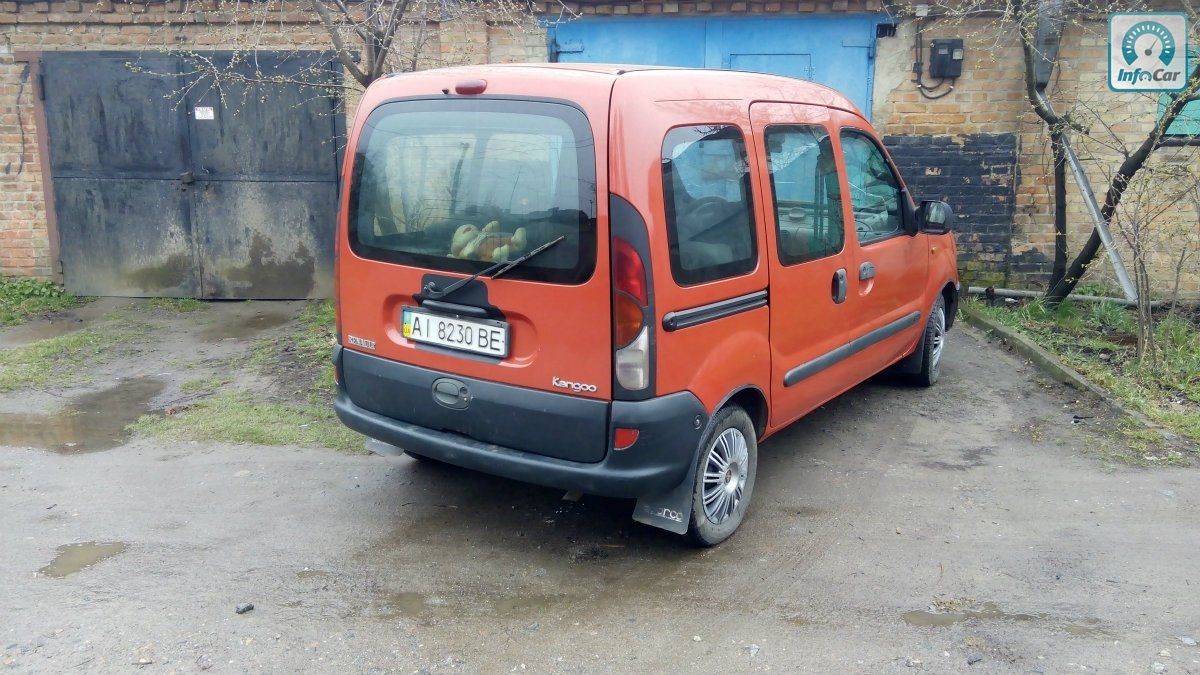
(934, 345)
(724, 478)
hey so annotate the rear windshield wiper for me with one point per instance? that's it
(431, 291)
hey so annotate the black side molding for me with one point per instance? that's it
(828, 359)
(685, 318)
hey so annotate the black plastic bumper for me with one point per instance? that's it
(669, 433)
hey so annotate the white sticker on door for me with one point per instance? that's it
(205, 112)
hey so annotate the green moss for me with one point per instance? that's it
(21, 299)
(65, 360)
(238, 417)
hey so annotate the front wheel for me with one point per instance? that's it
(934, 344)
(724, 478)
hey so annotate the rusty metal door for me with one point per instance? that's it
(117, 150)
(166, 185)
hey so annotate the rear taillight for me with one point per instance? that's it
(632, 303)
(630, 310)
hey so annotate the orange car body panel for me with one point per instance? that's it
(556, 330)
(565, 330)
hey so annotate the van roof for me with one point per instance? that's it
(677, 83)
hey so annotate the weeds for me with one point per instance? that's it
(21, 299)
(180, 305)
(238, 417)
(57, 361)
(296, 409)
(1100, 341)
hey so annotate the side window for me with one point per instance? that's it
(808, 197)
(710, 227)
(874, 191)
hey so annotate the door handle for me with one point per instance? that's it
(866, 271)
(839, 286)
(187, 178)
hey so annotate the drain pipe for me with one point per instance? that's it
(1018, 293)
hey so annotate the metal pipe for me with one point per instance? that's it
(1093, 207)
(1018, 293)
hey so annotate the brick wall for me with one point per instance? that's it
(976, 174)
(989, 102)
(979, 146)
(25, 242)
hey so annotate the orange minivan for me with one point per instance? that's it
(618, 280)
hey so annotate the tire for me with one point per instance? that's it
(933, 346)
(731, 438)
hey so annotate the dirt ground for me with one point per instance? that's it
(972, 526)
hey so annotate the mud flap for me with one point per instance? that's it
(911, 364)
(670, 510)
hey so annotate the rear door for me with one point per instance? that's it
(446, 187)
(890, 265)
(808, 256)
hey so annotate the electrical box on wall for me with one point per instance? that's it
(946, 58)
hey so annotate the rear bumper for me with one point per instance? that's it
(669, 434)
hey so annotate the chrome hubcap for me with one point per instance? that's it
(725, 475)
(939, 337)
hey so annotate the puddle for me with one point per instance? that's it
(240, 327)
(988, 611)
(88, 423)
(61, 323)
(72, 558)
(311, 574)
(417, 605)
(34, 332)
(522, 605)
(404, 604)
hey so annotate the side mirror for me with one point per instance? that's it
(935, 217)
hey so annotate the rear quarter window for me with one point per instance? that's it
(710, 223)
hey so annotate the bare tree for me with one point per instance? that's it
(1155, 190)
(366, 38)
(1037, 26)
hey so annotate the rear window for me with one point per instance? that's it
(706, 178)
(459, 185)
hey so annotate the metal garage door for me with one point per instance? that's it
(838, 51)
(165, 185)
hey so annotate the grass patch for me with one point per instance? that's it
(239, 417)
(296, 409)
(1099, 340)
(177, 305)
(57, 361)
(21, 299)
(203, 385)
(300, 359)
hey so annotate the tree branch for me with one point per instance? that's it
(1117, 186)
(343, 54)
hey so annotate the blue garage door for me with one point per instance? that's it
(838, 51)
